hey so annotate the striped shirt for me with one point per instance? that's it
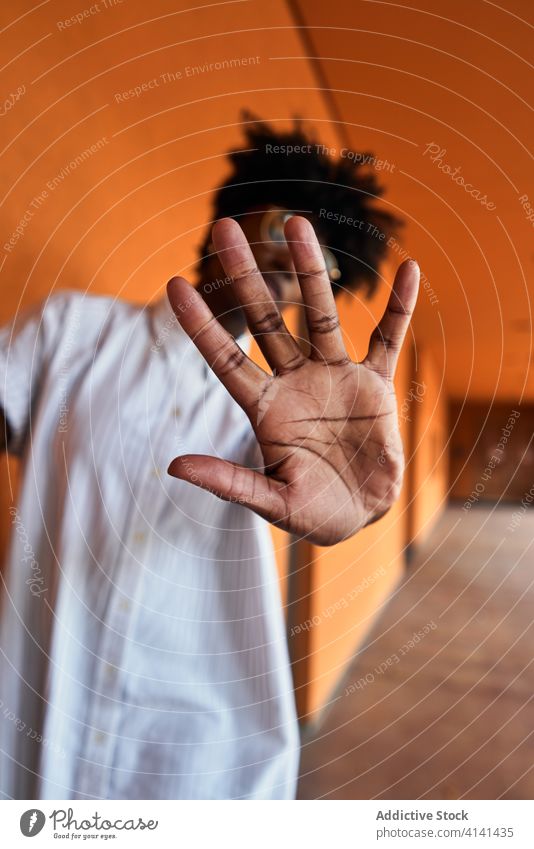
(142, 641)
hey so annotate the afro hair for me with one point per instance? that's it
(292, 170)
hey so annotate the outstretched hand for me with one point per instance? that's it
(327, 427)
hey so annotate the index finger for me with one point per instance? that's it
(235, 370)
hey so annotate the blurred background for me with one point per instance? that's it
(412, 642)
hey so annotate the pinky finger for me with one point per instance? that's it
(387, 338)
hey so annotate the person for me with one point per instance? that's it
(143, 650)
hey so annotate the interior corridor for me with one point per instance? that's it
(447, 714)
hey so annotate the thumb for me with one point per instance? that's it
(232, 482)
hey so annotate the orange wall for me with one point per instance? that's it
(133, 213)
(429, 466)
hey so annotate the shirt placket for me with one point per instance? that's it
(106, 699)
(107, 707)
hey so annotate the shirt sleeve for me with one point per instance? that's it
(26, 344)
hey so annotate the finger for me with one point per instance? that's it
(263, 317)
(233, 482)
(320, 309)
(386, 340)
(243, 378)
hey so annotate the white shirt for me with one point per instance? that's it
(142, 643)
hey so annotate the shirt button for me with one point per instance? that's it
(156, 471)
(124, 604)
(139, 537)
(99, 737)
(177, 412)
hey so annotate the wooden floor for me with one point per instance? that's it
(449, 715)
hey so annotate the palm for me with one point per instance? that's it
(327, 446)
(327, 427)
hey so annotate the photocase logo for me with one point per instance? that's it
(32, 822)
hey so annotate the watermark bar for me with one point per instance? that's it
(418, 824)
